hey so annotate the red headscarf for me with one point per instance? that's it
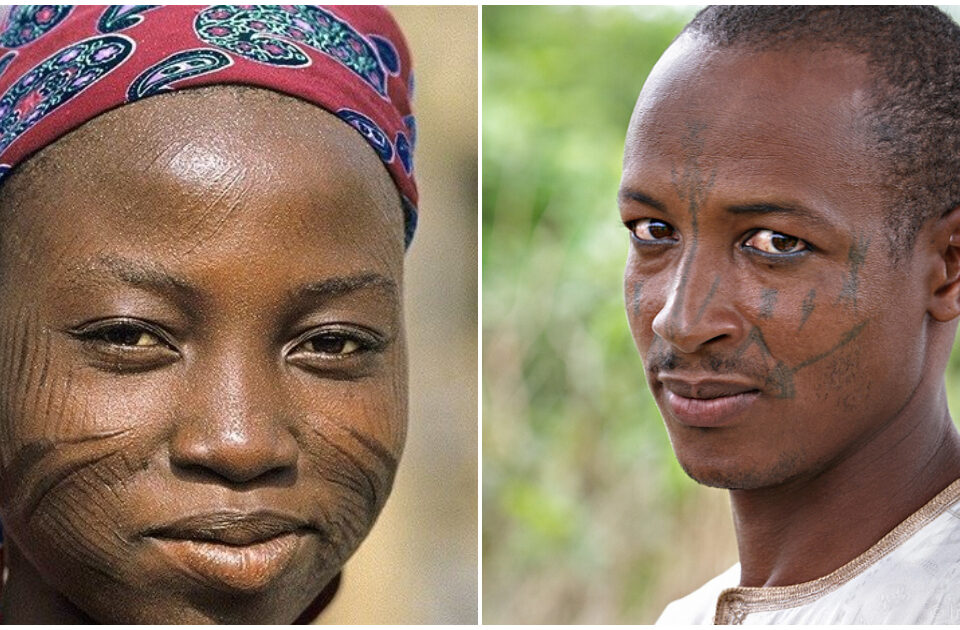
(61, 65)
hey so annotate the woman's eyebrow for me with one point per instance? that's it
(149, 275)
(337, 286)
(156, 277)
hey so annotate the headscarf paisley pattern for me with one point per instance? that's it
(61, 66)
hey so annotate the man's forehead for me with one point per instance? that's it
(737, 103)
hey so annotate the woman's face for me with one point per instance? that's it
(202, 366)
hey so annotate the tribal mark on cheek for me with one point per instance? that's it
(42, 465)
(652, 350)
(635, 293)
(807, 307)
(780, 376)
(706, 300)
(768, 301)
(855, 258)
(361, 470)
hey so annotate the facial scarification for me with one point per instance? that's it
(692, 188)
(203, 380)
(722, 313)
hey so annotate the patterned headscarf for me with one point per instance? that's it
(61, 65)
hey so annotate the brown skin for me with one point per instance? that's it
(200, 315)
(850, 432)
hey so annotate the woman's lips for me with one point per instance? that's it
(706, 403)
(232, 552)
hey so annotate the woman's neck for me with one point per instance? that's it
(27, 598)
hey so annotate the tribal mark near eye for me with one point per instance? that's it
(855, 258)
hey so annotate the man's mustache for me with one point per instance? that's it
(670, 361)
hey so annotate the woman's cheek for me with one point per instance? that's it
(74, 438)
(353, 442)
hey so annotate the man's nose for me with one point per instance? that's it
(697, 310)
(233, 426)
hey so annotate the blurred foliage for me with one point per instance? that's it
(585, 510)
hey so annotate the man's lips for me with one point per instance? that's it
(705, 387)
(706, 401)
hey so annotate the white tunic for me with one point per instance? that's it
(911, 576)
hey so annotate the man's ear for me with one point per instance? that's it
(945, 275)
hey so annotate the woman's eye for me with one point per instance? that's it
(770, 242)
(652, 230)
(121, 336)
(125, 346)
(331, 344)
(127, 335)
(336, 343)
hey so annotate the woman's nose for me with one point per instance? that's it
(233, 426)
(697, 310)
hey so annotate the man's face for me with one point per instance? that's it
(204, 374)
(776, 335)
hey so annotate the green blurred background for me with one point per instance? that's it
(587, 517)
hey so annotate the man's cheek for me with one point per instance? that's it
(634, 302)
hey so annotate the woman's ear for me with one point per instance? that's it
(945, 275)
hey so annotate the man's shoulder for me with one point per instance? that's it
(700, 606)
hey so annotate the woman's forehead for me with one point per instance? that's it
(213, 169)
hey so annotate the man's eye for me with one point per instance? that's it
(770, 242)
(652, 230)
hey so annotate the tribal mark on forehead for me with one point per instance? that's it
(692, 185)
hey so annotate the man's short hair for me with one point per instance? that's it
(913, 53)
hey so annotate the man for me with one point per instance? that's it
(791, 185)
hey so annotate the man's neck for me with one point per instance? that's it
(807, 528)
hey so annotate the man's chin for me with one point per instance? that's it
(734, 476)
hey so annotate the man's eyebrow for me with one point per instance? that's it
(632, 194)
(337, 286)
(760, 209)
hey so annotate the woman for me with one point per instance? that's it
(202, 362)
